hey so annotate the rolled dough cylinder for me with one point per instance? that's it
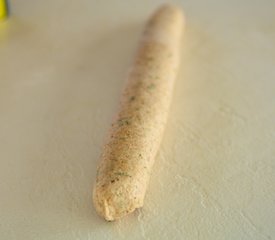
(128, 156)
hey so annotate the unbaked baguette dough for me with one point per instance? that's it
(128, 156)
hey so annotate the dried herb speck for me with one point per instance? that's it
(151, 86)
(132, 98)
(122, 174)
(123, 121)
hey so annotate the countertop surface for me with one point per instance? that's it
(62, 67)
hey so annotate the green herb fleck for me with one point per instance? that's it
(123, 121)
(122, 138)
(151, 86)
(132, 98)
(123, 174)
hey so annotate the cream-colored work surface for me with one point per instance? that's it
(62, 66)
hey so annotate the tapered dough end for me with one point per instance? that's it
(116, 200)
(165, 26)
(168, 13)
(174, 9)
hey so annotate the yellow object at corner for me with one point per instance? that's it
(3, 9)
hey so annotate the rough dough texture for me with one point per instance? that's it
(136, 132)
(62, 69)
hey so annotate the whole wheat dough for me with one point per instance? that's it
(128, 155)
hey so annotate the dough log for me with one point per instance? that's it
(136, 132)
